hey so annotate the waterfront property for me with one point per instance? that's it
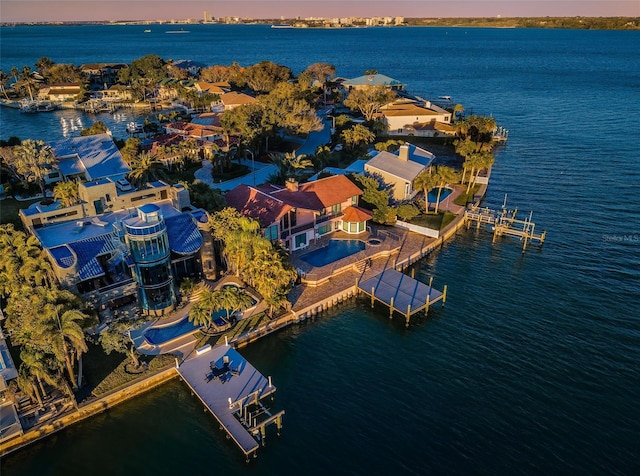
(408, 116)
(400, 170)
(88, 158)
(299, 214)
(132, 254)
(233, 391)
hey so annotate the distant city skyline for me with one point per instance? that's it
(121, 10)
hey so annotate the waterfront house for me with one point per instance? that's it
(298, 214)
(400, 169)
(88, 158)
(117, 92)
(371, 80)
(60, 92)
(120, 246)
(409, 117)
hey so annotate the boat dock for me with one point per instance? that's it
(505, 223)
(401, 293)
(232, 390)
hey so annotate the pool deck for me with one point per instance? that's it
(228, 385)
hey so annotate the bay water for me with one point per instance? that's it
(531, 367)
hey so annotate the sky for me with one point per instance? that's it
(114, 10)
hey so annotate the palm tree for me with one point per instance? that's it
(35, 362)
(147, 168)
(66, 193)
(200, 313)
(27, 80)
(38, 270)
(67, 337)
(482, 160)
(425, 181)
(33, 161)
(232, 299)
(445, 175)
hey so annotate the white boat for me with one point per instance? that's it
(135, 128)
(281, 26)
(28, 105)
(181, 30)
(147, 31)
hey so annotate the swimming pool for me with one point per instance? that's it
(335, 250)
(433, 194)
(160, 335)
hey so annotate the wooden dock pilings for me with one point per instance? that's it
(401, 293)
(505, 223)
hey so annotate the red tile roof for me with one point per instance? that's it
(356, 214)
(256, 204)
(320, 194)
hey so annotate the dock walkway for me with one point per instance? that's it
(401, 293)
(232, 390)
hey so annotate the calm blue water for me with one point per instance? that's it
(531, 367)
(160, 335)
(333, 251)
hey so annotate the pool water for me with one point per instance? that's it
(335, 250)
(160, 335)
(433, 195)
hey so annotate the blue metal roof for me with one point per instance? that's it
(87, 251)
(183, 233)
(94, 156)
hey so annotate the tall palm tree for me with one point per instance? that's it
(147, 168)
(482, 161)
(67, 337)
(425, 181)
(27, 80)
(445, 175)
(33, 161)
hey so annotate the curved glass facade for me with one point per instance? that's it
(149, 244)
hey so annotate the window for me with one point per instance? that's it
(301, 240)
(407, 190)
(271, 233)
(324, 229)
(335, 209)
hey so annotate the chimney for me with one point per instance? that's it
(403, 152)
(292, 185)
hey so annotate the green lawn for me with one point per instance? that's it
(9, 210)
(465, 198)
(434, 221)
